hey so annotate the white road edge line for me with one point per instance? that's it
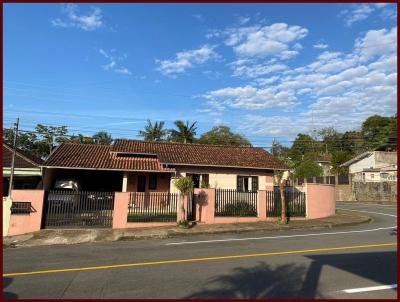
(291, 236)
(277, 237)
(367, 212)
(368, 289)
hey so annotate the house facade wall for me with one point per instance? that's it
(367, 162)
(225, 178)
(163, 182)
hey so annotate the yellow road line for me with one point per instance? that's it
(197, 259)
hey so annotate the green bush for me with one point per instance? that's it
(240, 208)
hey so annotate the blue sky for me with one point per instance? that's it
(265, 70)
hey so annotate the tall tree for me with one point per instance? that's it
(308, 168)
(331, 140)
(154, 132)
(48, 137)
(353, 142)
(338, 158)
(222, 135)
(81, 139)
(102, 138)
(185, 132)
(376, 129)
(302, 145)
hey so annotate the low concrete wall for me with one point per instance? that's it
(343, 192)
(375, 191)
(320, 200)
(27, 223)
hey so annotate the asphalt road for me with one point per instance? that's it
(344, 262)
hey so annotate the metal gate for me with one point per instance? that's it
(82, 209)
(295, 203)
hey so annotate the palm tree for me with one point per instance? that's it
(102, 138)
(185, 133)
(153, 132)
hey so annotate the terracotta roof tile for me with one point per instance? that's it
(197, 154)
(22, 158)
(99, 157)
(151, 156)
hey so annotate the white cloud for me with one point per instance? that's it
(123, 70)
(377, 43)
(356, 13)
(241, 68)
(361, 11)
(320, 45)
(88, 22)
(337, 89)
(187, 59)
(270, 40)
(273, 40)
(114, 62)
(249, 97)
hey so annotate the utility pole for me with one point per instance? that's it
(10, 185)
(273, 144)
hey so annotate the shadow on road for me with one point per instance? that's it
(297, 281)
(8, 295)
(380, 267)
(259, 282)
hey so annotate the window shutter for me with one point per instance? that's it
(254, 183)
(239, 183)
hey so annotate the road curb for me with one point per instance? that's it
(68, 237)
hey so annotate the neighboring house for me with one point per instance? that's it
(373, 166)
(27, 171)
(140, 166)
(324, 161)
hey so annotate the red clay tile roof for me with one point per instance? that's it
(88, 156)
(205, 155)
(22, 158)
(152, 156)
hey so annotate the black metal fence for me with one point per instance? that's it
(295, 203)
(153, 207)
(232, 203)
(82, 209)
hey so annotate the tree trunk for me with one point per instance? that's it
(283, 201)
(183, 214)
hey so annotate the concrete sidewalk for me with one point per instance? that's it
(63, 236)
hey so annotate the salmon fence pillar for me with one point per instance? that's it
(121, 204)
(262, 205)
(205, 199)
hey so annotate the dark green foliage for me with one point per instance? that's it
(240, 208)
(154, 132)
(222, 135)
(102, 138)
(308, 168)
(302, 145)
(338, 158)
(185, 134)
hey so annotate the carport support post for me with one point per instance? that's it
(262, 205)
(125, 182)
